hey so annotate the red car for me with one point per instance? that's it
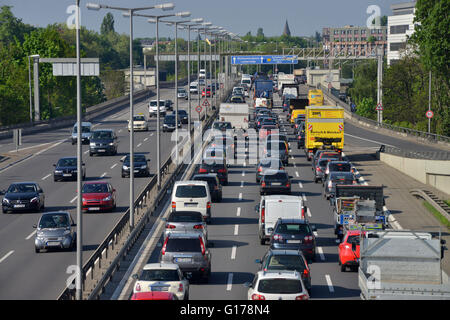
(98, 196)
(153, 295)
(347, 256)
(208, 92)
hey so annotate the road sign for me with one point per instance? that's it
(429, 114)
(288, 59)
(379, 107)
(205, 103)
(198, 109)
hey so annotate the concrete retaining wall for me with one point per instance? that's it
(435, 173)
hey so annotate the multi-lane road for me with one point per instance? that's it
(26, 275)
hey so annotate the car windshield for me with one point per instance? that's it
(159, 275)
(323, 163)
(84, 129)
(102, 135)
(70, 162)
(139, 118)
(272, 176)
(182, 112)
(340, 167)
(281, 286)
(181, 91)
(213, 161)
(276, 145)
(293, 228)
(155, 102)
(57, 220)
(354, 238)
(137, 158)
(222, 125)
(22, 188)
(169, 119)
(286, 262)
(191, 191)
(341, 176)
(183, 245)
(271, 163)
(95, 188)
(188, 216)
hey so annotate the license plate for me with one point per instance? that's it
(67, 175)
(19, 206)
(190, 204)
(52, 243)
(276, 183)
(293, 241)
(159, 288)
(101, 150)
(183, 259)
(94, 208)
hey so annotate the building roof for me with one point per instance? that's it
(286, 30)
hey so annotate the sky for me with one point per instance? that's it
(238, 16)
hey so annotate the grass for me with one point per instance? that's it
(437, 214)
(447, 202)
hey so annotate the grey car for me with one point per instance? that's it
(55, 230)
(186, 222)
(103, 142)
(189, 251)
(86, 128)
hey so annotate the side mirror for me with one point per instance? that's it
(148, 160)
(54, 165)
(270, 230)
(114, 190)
(74, 224)
(41, 191)
(34, 226)
(313, 227)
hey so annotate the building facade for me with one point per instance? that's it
(400, 27)
(361, 41)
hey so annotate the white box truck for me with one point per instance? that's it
(235, 113)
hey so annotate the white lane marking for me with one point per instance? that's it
(322, 257)
(120, 130)
(330, 284)
(6, 256)
(296, 173)
(295, 166)
(104, 174)
(373, 141)
(240, 196)
(243, 173)
(140, 144)
(151, 134)
(304, 197)
(242, 184)
(300, 185)
(123, 158)
(145, 139)
(236, 229)
(315, 234)
(230, 282)
(32, 234)
(114, 165)
(71, 201)
(46, 176)
(86, 151)
(238, 212)
(245, 163)
(308, 212)
(233, 253)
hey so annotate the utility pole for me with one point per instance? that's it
(379, 84)
(429, 102)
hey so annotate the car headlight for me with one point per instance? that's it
(58, 171)
(111, 143)
(35, 199)
(144, 167)
(40, 235)
(107, 198)
(124, 167)
(67, 232)
(92, 144)
(5, 200)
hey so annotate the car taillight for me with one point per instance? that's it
(263, 214)
(258, 297)
(174, 204)
(198, 226)
(288, 185)
(202, 245)
(354, 182)
(302, 297)
(138, 287)
(208, 205)
(259, 169)
(278, 237)
(202, 170)
(170, 226)
(281, 168)
(318, 169)
(330, 185)
(306, 273)
(163, 250)
(263, 184)
(180, 288)
(222, 170)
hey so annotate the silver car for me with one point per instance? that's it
(182, 94)
(55, 230)
(189, 251)
(86, 128)
(186, 222)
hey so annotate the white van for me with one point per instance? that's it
(202, 74)
(193, 87)
(247, 81)
(273, 207)
(192, 196)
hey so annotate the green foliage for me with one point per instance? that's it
(366, 108)
(107, 24)
(365, 82)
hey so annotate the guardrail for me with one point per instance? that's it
(438, 204)
(431, 137)
(113, 238)
(429, 155)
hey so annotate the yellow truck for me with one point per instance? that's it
(324, 128)
(315, 97)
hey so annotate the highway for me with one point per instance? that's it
(24, 274)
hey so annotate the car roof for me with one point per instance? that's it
(270, 274)
(96, 182)
(335, 173)
(99, 130)
(285, 252)
(189, 182)
(206, 175)
(84, 124)
(281, 197)
(187, 235)
(293, 220)
(25, 182)
(53, 212)
(161, 266)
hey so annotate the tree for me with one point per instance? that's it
(260, 33)
(365, 82)
(107, 24)
(318, 37)
(366, 108)
(11, 28)
(383, 21)
(248, 34)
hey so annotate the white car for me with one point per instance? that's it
(139, 123)
(277, 285)
(165, 277)
(192, 196)
(193, 87)
(202, 74)
(153, 109)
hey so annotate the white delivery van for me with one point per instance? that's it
(192, 196)
(273, 207)
(193, 87)
(235, 113)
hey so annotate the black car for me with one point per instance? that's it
(319, 170)
(103, 141)
(23, 196)
(337, 178)
(294, 234)
(168, 104)
(275, 181)
(215, 188)
(277, 149)
(222, 125)
(182, 115)
(140, 166)
(267, 164)
(215, 165)
(301, 139)
(269, 121)
(66, 169)
(169, 123)
(291, 260)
